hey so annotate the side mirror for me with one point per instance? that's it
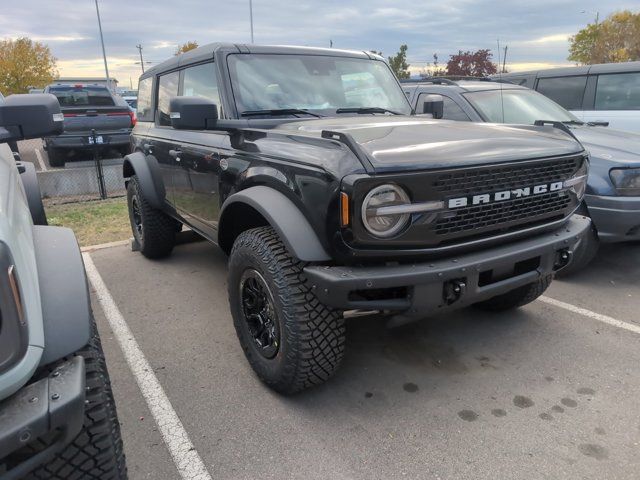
(434, 104)
(28, 116)
(192, 113)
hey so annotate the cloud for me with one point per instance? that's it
(555, 38)
(533, 31)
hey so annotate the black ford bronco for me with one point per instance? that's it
(309, 168)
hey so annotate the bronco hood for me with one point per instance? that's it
(397, 143)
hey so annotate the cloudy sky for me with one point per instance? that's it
(535, 31)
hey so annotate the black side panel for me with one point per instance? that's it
(147, 169)
(32, 189)
(63, 292)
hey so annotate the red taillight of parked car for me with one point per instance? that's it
(134, 120)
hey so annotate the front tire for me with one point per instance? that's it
(96, 452)
(291, 340)
(153, 230)
(517, 297)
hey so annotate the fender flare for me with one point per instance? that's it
(32, 190)
(147, 169)
(285, 217)
(64, 292)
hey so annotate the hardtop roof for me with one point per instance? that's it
(207, 52)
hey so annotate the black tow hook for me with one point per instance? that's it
(563, 258)
(453, 290)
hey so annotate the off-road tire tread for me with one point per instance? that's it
(159, 228)
(97, 451)
(517, 297)
(315, 333)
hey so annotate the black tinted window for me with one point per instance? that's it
(168, 87)
(145, 114)
(200, 81)
(620, 91)
(79, 96)
(567, 91)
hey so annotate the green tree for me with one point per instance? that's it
(399, 63)
(185, 47)
(616, 39)
(24, 64)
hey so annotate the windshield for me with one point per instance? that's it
(313, 82)
(520, 106)
(78, 95)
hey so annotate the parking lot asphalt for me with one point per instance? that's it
(541, 392)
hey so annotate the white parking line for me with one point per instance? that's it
(588, 313)
(186, 458)
(43, 166)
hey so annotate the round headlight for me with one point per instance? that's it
(375, 219)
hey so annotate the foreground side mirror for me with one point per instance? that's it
(28, 116)
(434, 104)
(192, 113)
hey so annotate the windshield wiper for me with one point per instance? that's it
(366, 110)
(279, 111)
(572, 122)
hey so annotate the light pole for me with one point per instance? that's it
(104, 54)
(139, 47)
(250, 17)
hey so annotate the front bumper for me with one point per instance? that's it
(80, 140)
(617, 219)
(53, 404)
(424, 288)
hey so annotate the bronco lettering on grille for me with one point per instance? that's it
(504, 195)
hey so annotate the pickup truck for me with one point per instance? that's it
(88, 108)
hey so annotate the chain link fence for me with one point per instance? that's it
(93, 174)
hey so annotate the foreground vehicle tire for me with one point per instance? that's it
(56, 157)
(153, 230)
(96, 452)
(291, 340)
(517, 297)
(583, 255)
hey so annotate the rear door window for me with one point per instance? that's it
(619, 91)
(82, 96)
(144, 111)
(167, 88)
(567, 91)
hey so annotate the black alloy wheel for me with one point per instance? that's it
(259, 313)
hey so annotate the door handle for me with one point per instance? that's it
(175, 154)
(148, 148)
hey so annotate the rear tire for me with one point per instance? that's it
(517, 297)
(96, 452)
(583, 255)
(153, 230)
(56, 157)
(291, 340)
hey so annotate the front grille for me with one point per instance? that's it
(486, 180)
(529, 209)
(485, 219)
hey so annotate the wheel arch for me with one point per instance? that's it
(147, 169)
(259, 206)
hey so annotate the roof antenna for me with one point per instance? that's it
(500, 81)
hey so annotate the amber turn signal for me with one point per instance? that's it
(344, 209)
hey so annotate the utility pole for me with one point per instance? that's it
(104, 54)
(251, 17)
(504, 59)
(330, 43)
(139, 47)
